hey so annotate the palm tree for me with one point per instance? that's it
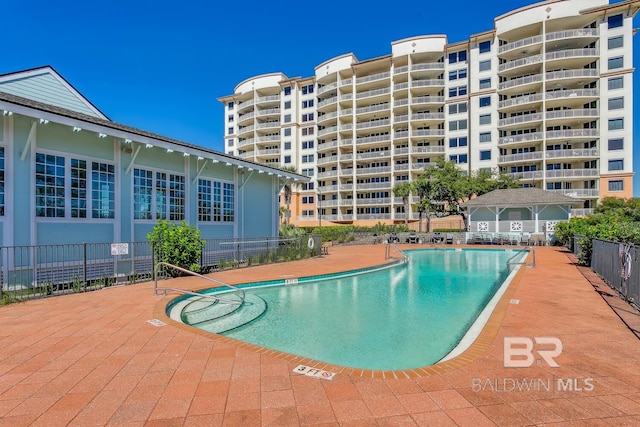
(403, 189)
(287, 189)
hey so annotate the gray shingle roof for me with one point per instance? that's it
(521, 197)
(29, 103)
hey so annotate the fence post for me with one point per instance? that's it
(84, 265)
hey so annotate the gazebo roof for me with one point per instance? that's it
(520, 197)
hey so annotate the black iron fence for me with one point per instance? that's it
(618, 265)
(40, 271)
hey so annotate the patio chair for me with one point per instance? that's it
(413, 237)
(525, 239)
(437, 238)
(393, 238)
(449, 239)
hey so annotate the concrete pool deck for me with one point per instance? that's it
(94, 359)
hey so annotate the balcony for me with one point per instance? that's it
(581, 212)
(328, 101)
(427, 132)
(368, 139)
(373, 124)
(580, 74)
(590, 33)
(427, 149)
(526, 176)
(373, 77)
(269, 138)
(520, 100)
(571, 113)
(269, 98)
(578, 192)
(243, 105)
(327, 174)
(521, 81)
(401, 167)
(428, 66)
(372, 108)
(572, 173)
(374, 185)
(346, 141)
(521, 62)
(327, 145)
(572, 94)
(246, 129)
(516, 139)
(427, 100)
(591, 54)
(374, 170)
(372, 93)
(247, 116)
(243, 143)
(269, 112)
(247, 155)
(326, 117)
(380, 201)
(573, 153)
(268, 152)
(328, 159)
(517, 120)
(346, 187)
(374, 216)
(346, 157)
(373, 155)
(399, 134)
(427, 83)
(326, 88)
(268, 125)
(519, 44)
(521, 157)
(326, 131)
(573, 133)
(428, 116)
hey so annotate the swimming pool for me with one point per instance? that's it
(402, 317)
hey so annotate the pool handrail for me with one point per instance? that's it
(192, 273)
(527, 248)
(402, 254)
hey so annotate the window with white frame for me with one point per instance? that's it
(307, 131)
(158, 195)
(616, 144)
(228, 196)
(287, 131)
(616, 83)
(615, 42)
(460, 56)
(306, 200)
(484, 101)
(307, 172)
(616, 124)
(307, 104)
(307, 145)
(485, 83)
(485, 119)
(307, 89)
(458, 142)
(616, 185)
(485, 137)
(485, 46)
(614, 63)
(307, 158)
(91, 187)
(616, 165)
(460, 107)
(458, 158)
(457, 91)
(307, 117)
(458, 124)
(484, 65)
(616, 103)
(458, 74)
(485, 155)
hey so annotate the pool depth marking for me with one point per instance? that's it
(314, 372)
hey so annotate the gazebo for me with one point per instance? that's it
(513, 213)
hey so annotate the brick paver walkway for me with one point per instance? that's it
(94, 359)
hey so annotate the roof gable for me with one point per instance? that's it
(520, 197)
(45, 85)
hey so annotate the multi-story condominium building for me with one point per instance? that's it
(545, 96)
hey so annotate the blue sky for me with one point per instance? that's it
(160, 66)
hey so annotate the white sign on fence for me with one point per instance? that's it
(119, 249)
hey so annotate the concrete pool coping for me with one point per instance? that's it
(95, 359)
(468, 349)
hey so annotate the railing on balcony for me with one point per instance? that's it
(373, 154)
(427, 116)
(327, 145)
(427, 82)
(524, 118)
(526, 175)
(521, 62)
(379, 169)
(572, 173)
(573, 93)
(576, 152)
(373, 123)
(268, 138)
(520, 81)
(247, 116)
(325, 131)
(268, 125)
(373, 201)
(374, 185)
(269, 98)
(571, 53)
(576, 112)
(328, 101)
(581, 212)
(573, 133)
(579, 32)
(428, 66)
(520, 100)
(578, 192)
(427, 149)
(268, 111)
(427, 132)
(518, 44)
(346, 141)
(327, 174)
(327, 88)
(401, 167)
(268, 152)
(372, 108)
(536, 155)
(525, 137)
(242, 143)
(327, 116)
(379, 138)
(572, 74)
(373, 77)
(374, 92)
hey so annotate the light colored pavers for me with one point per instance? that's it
(93, 359)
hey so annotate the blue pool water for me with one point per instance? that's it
(402, 317)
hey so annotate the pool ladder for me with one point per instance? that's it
(387, 252)
(528, 264)
(192, 273)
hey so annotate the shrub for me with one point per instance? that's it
(177, 244)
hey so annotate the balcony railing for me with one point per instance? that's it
(577, 112)
(329, 159)
(242, 143)
(372, 155)
(573, 133)
(578, 192)
(520, 81)
(380, 201)
(374, 185)
(427, 149)
(268, 152)
(571, 53)
(325, 131)
(327, 145)
(524, 118)
(327, 116)
(372, 108)
(327, 88)
(328, 101)
(520, 100)
(427, 100)
(269, 98)
(268, 138)
(527, 175)
(373, 123)
(427, 82)
(427, 132)
(581, 212)
(374, 92)
(428, 116)
(525, 137)
(572, 173)
(269, 111)
(510, 158)
(373, 77)
(580, 32)
(327, 174)
(572, 74)
(519, 44)
(576, 152)
(573, 93)
(380, 138)
(379, 169)
(401, 118)
(268, 125)
(428, 66)
(521, 62)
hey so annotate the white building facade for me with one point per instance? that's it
(546, 96)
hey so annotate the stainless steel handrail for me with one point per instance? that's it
(388, 252)
(184, 270)
(533, 252)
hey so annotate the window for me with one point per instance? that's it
(615, 21)
(287, 132)
(230, 105)
(485, 155)
(616, 165)
(616, 124)
(616, 83)
(307, 186)
(307, 89)
(287, 145)
(485, 84)
(287, 105)
(458, 74)
(458, 57)
(307, 104)
(616, 144)
(306, 200)
(485, 101)
(616, 42)
(229, 131)
(204, 200)
(485, 65)
(287, 118)
(174, 204)
(1, 181)
(485, 46)
(307, 172)
(93, 191)
(307, 144)
(228, 196)
(485, 119)
(458, 142)
(458, 91)
(617, 62)
(142, 194)
(307, 158)
(458, 124)
(307, 117)
(287, 159)
(616, 103)
(485, 137)
(307, 131)
(230, 118)
(230, 142)
(458, 108)
(616, 185)
(287, 90)
(458, 158)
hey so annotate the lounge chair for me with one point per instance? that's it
(393, 238)
(449, 239)
(412, 238)
(437, 238)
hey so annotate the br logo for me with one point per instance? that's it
(519, 351)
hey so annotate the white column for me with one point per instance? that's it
(497, 219)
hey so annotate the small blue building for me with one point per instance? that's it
(68, 174)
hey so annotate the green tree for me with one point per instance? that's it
(403, 189)
(177, 244)
(287, 190)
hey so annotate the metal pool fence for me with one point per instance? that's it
(45, 270)
(618, 265)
